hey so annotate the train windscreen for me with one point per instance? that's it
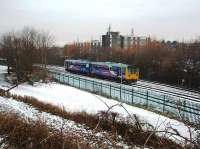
(132, 70)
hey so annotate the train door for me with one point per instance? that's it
(66, 65)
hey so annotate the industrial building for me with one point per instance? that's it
(95, 44)
(113, 40)
(116, 41)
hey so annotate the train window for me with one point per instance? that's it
(104, 67)
(131, 70)
(112, 68)
(137, 70)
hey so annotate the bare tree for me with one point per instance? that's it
(21, 48)
(44, 41)
(6, 44)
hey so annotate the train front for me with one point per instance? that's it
(132, 74)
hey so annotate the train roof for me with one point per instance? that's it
(78, 61)
(109, 64)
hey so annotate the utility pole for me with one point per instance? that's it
(132, 32)
(109, 29)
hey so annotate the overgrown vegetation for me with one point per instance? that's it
(19, 133)
(131, 130)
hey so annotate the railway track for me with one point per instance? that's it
(147, 85)
(170, 86)
(176, 94)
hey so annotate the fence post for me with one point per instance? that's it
(101, 89)
(59, 77)
(73, 80)
(93, 86)
(85, 84)
(120, 92)
(56, 75)
(132, 95)
(147, 98)
(64, 78)
(164, 103)
(79, 83)
(184, 108)
(110, 90)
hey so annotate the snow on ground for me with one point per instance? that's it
(77, 100)
(26, 111)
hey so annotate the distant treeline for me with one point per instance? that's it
(173, 63)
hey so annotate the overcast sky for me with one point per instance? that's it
(69, 20)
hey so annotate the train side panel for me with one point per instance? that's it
(107, 72)
(103, 71)
(77, 67)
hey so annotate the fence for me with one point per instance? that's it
(183, 109)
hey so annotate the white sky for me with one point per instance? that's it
(68, 20)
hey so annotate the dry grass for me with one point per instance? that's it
(130, 133)
(19, 133)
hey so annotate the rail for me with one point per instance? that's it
(177, 94)
(172, 86)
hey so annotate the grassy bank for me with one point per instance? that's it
(19, 133)
(131, 132)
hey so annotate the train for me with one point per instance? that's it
(106, 70)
